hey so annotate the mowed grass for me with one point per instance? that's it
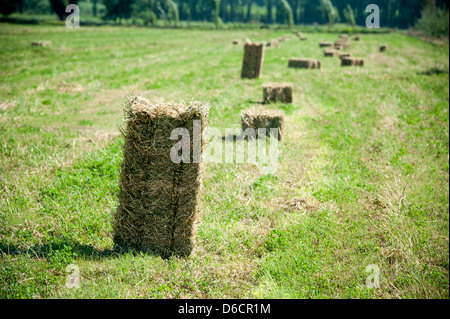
(362, 175)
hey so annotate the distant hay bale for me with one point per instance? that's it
(357, 37)
(273, 43)
(284, 38)
(277, 92)
(344, 55)
(325, 44)
(236, 42)
(159, 200)
(383, 48)
(264, 118)
(330, 52)
(300, 63)
(343, 36)
(349, 61)
(303, 38)
(253, 60)
(41, 43)
(341, 44)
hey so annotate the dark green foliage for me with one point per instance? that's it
(434, 22)
(8, 6)
(59, 7)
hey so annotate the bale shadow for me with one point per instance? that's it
(76, 249)
(433, 71)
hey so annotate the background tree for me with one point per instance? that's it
(329, 12)
(288, 15)
(59, 7)
(7, 7)
(349, 15)
(118, 9)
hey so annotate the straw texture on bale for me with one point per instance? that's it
(350, 61)
(330, 52)
(277, 92)
(159, 204)
(264, 118)
(304, 63)
(253, 60)
(325, 44)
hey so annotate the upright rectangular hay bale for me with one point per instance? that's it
(253, 60)
(277, 92)
(159, 204)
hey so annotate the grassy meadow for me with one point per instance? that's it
(362, 175)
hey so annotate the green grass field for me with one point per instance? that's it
(362, 176)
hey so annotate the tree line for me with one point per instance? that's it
(393, 13)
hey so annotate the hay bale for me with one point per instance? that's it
(236, 42)
(253, 60)
(343, 36)
(303, 38)
(277, 92)
(349, 61)
(357, 37)
(263, 118)
(330, 52)
(325, 44)
(344, 55)
(158, 199)
(383, 48)
(304, 63)
(41, 43)
(341, 45)
(273, 43)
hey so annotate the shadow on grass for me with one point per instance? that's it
(68, 248)
(433, 71)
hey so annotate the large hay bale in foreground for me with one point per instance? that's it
(41, 43)
(253, 60)
(350, 61)
(277, 92)
(330, 52)
(159, 199)
(325, 44)
(299, 63)
(263, 118)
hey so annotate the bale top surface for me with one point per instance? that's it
(164, 109)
